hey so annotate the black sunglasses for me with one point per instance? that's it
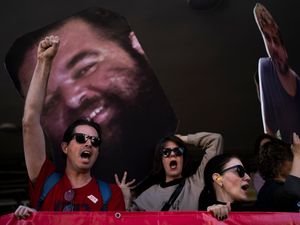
(178, 151)
(82, 138)
(239, 169)
(69, 196)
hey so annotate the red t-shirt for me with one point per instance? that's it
(86, 198)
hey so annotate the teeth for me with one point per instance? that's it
(95, 112)
(85, 154)
(173, 164)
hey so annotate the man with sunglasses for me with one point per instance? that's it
(75, 189)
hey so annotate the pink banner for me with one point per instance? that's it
(151, 218)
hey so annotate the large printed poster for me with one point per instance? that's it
(100, 72)
(279, 84)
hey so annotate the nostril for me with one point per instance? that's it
(73, 95)
(77, 99)
(88, 142)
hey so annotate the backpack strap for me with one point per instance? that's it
(50, 182)
(105, 194)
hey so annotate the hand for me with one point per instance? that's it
(182, 137)
(296, 145)
(125, 187)
(220, 211)
(48, 47)
(24, 212)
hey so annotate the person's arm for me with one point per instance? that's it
(293, 181)
(295, 171)
(211, 143)
(33, 136)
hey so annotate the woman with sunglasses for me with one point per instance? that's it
(173, 188)
(226, 182)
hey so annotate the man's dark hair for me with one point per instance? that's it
(271, 158)
(106, 24)
(70, 130)
(214, 165)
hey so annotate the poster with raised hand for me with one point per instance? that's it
(101, 73)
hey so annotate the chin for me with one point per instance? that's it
(85, 168)
(242, 199)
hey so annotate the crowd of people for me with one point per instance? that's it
(219, 185)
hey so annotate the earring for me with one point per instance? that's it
(219, 181)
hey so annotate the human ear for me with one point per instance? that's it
(218, 179)
(64, 147)
(135, 44)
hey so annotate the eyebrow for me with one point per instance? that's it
(79, 56)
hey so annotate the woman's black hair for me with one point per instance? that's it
(214, 165)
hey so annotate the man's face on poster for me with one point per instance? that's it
(94, 77)
(90, 77)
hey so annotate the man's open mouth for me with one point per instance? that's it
(92, 106)
(94, 113)
(85, 154)
(97, 110)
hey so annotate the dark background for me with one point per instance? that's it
(205, 61)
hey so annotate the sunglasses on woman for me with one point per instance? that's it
(239, 169)
(178, 151)
(83, 138)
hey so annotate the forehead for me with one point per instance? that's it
(72, 42)
(233, 162)
(170, 144)
(70, 34)
(86, 129)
